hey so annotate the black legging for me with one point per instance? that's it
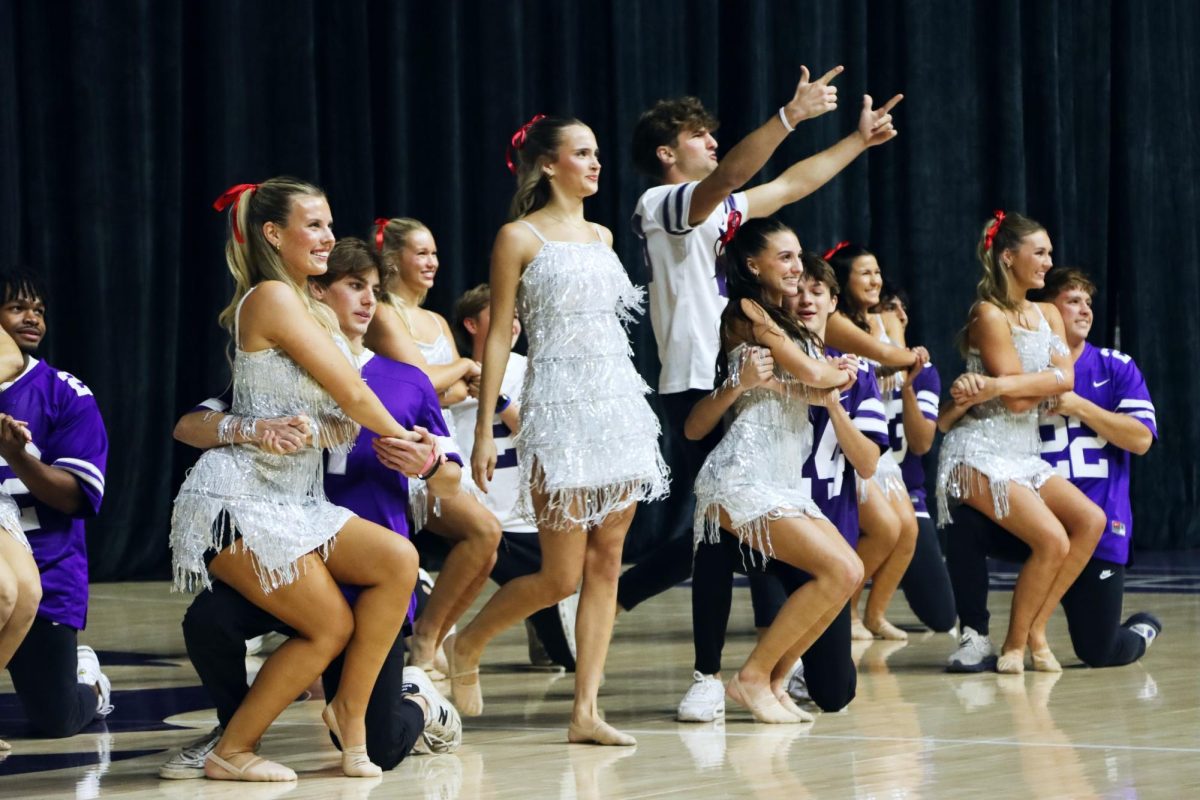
(926, 582)
(215, 629)
(1092, 604)
(44, 675)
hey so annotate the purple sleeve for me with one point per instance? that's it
(78, 444)
(1130, 392)
(866, 406)
(431, 417)
(928, 386)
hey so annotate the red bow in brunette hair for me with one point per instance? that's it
(732, 223)
(831, 252)
(380, 224)
(518, 142)
(993, 229)
(231, 196)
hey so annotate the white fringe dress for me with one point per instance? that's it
(754, 472)
(992, 443)
(588, 438)
(10, 520)
(273, 505)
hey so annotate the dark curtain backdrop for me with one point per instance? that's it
(121, 121)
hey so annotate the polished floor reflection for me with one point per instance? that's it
(913, 731)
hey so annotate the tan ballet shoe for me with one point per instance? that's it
(599, 732)
(1044, 660)
(886, 630)
(763, 706)
(355, 761)
(859, 632)
(464, 686)
(790, 706)
(1011, 662)
(254, 768)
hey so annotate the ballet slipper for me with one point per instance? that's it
(886, 630)
(790, 706)
(355, 761)
(1011, 662)
(464, 685)
(599, 732)
(439, 670)
(1044, 660)
(4, 746)
(859, 632)
(254, 768)
(763, 706)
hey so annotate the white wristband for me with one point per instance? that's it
(783, 118)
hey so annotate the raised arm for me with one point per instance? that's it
(750, 154)
(805, 177)
(862, 453)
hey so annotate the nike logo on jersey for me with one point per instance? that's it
(1105, 574)
(1098, 384)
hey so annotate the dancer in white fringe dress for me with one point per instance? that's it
(256, 518)
(588, 444)
(750, 485)
(990, 459)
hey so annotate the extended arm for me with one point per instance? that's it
(55, 487)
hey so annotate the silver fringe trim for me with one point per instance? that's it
(963, 481)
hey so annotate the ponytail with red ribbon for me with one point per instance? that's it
(231, 197)
(380, 224)
(993, 229)
(833, 251)
(517, 142)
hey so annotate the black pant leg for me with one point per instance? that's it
(829, 670)
(767, 596)
(1093, 606)
(926, 583)
(215, 629)
(966, 562)
(44, 675)
(671, 562)
(712, 599)
(394, 723)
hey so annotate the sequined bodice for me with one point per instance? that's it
(786, 410)
(1034, 348)
(268, 383)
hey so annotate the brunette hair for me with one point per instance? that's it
(661, 125)
(537, 147)
(1062, 279)
(351, 257)
(842, 259)
(818, 269)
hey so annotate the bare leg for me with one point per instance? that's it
(476, 534)
(880, 533)
(20, 594)
(886, 579)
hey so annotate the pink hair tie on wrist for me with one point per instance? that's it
(993, 229)
(433, 456)
(517, 143)
(231, 197)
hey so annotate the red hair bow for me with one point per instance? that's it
(231, 196)
(518, 142)
(380, 224)
(993, 229)
(831, 252)
(732, 223)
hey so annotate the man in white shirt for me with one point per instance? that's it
(696, 204)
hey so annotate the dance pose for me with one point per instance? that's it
(404, 705)
(1088, 438)
(990, 459)
(588, 443)
(887, 518)
(697, 202)
(258, 520)
(54, 451)
(410, 252)
(751, 484)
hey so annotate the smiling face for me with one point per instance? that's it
(1075, 305)
(864, 282)
(575, 170)
(23, 317)
(305, 241)
(814, 304)
(353, 299)
(1028, 264)
(417, 262)
(777, 266)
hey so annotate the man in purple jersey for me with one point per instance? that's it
(371, 482)
(912, 424)
(57, 480)
(1088, 438)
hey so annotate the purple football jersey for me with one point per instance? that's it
(827, 472)
(1111, 380)
(928, 386)
(69, 434)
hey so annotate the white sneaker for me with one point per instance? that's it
(797, 687)
(189, 762)
(704, 701)
(567, 609)
(443, 728)
(974, 653)
(88, 671)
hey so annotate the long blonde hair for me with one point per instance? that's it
(251, 258)
(1003, 231)
(395, 239)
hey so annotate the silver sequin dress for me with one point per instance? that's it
(754, 472)
(992, 443)
(10, 519)
(588, 438)
(275, 503)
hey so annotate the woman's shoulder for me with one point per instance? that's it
(273, 294)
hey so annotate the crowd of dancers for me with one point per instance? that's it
(364, 433)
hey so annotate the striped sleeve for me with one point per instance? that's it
(675, 207)
(78, 444)
(866, 408)
(928, 385)
(1133, 398)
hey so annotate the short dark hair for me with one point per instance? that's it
(890, 292)
(21, 283)
(351, 256)
(818, 269)
(1061, 279)
(469, 306)
(662, 124)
